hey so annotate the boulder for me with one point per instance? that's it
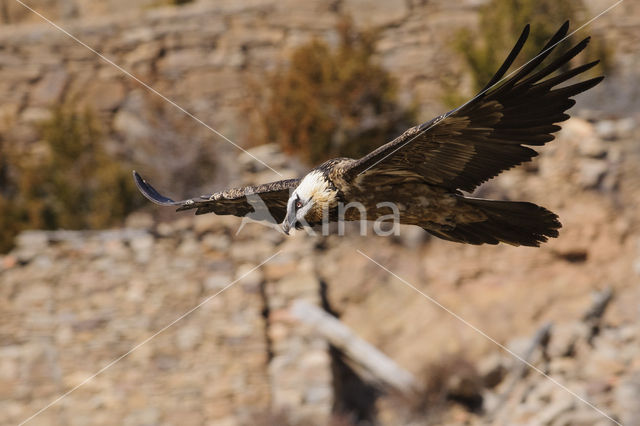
(105, 95)
(48, 90)
(367, 13)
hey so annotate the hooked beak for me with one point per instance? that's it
(288, 223)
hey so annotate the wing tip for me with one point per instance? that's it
(563, 30)
(150, 192)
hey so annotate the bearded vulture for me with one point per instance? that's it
(426, 169)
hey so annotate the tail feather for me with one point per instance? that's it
(512, 222)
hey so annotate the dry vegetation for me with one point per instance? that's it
(501, 22)
(332, 101)
(68, 181)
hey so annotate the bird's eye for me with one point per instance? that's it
(298, 204)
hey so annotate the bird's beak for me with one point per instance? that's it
(288, 223)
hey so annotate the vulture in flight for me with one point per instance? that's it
(425, 170)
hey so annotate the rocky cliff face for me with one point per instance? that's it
(211, 57)
(74, 301)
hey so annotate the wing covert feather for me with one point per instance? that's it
(250, 200)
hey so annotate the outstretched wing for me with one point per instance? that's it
(261, 202)
(469, 145)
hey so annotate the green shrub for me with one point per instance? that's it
(73, 184)
(330, 102)
(501, 22)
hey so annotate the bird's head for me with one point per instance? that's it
(314, 195)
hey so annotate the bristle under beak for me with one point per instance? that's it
(288, 223)
(285, 228)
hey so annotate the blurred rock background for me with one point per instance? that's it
(73, 301)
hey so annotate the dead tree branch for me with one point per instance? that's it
(373, 364)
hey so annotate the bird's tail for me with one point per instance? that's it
(512, 222)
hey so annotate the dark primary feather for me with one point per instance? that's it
(467, 146)
(237, 201)
(509, 61)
